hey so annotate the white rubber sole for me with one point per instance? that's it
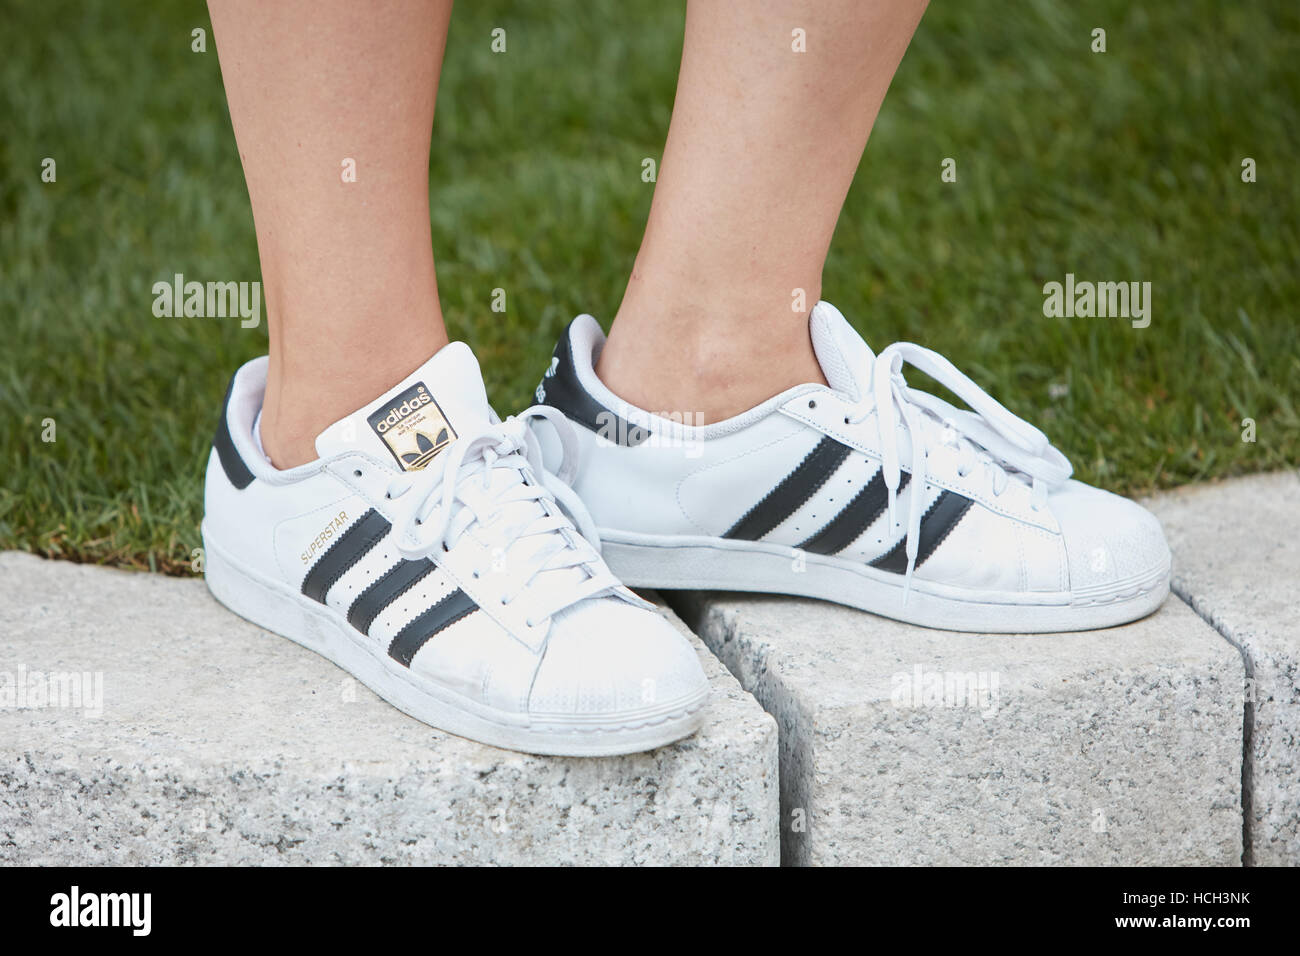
(276, 607)
(701, 563)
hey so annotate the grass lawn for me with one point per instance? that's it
(1116, 166)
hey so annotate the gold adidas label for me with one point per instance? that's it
(413, 427)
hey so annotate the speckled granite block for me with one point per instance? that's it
(221, 743)
(1236, 551)
(903, 745)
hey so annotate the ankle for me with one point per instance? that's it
(319, 388)
(288, 444)
(707, 372)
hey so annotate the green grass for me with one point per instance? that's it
(1115, 166)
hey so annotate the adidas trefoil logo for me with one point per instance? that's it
(406, 423)
(540, 392)
(425, 449)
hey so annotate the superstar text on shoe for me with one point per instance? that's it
(428, 554)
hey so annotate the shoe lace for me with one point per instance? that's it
(506, 460)
(1008, 446)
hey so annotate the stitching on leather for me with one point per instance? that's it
(820, 483)
(726, 461)
(361, 552)
(395, 598)
(856, 444)
(280, 524)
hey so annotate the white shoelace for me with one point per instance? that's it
(448, 508)
(989, 435)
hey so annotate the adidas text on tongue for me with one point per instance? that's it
(454, 586)
(413, 427)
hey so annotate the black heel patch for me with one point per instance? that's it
(236, 471)
(561, 389)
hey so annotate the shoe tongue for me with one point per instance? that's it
(417, 419)
(844, 357)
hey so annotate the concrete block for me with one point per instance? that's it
(219, 743)
(1236, 551)
(903, 745)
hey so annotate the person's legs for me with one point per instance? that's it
(762, 147)
(347, 267)
(364, 556)
(849, 487)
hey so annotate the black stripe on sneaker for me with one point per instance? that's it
(855, 517)
(232, 462)
(938, 522)
(441, 616)
(795, 488)
(349, 548)
(395, 582)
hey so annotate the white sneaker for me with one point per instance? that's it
(867, 493)
(425, 553)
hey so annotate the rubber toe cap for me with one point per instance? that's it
(607, 660)
(1113, 545)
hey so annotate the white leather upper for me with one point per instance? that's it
(702, 481)
(588, 658)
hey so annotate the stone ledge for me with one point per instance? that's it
(222, 744)
(1120, 746)
(1237, 562)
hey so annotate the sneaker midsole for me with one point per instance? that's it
(702, 563)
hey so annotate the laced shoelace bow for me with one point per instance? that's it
(447, 508)
(993, 436)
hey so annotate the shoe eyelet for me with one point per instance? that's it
(357, 472)
(812, 403)
(846, 419)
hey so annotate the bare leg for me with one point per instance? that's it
(763, 145)
(347, 267)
